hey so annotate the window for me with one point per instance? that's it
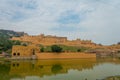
(14, 54)
(17, 64)
(18, 54)
(13, 65)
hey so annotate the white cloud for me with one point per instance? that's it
(99, 18)
(104, 22)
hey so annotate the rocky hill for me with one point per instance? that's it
(5, 43)
(9, 33)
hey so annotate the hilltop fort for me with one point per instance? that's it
(24, 46)
(32, 51)
(50, 40)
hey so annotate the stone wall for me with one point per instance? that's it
(24, 52)
(64, 55)
(50, 40)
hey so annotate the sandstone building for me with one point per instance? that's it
(50, 40)
(24, 52)
(33, 51)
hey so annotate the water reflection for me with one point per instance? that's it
(81, 69)
(49, 67)
(4, 71)
(57, 68)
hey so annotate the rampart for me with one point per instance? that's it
(64, 55)
(50, 40)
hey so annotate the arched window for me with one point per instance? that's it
(14, 54)
(18, 54)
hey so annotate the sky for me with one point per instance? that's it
(96, 20)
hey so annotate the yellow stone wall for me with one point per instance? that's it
(24, 51)
(70, 55)
(27, 51)
(50, 40)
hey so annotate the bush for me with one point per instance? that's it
(17, 43)
(24, 44)
(42, 49)
(118, 51)
(56, 48)
(79, 50)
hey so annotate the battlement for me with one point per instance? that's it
(50, 40)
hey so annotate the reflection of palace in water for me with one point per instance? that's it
(20, 69)
(49, 67)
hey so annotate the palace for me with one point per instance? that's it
(32, 51)
(50, 40)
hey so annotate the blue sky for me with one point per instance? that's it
(96, 20)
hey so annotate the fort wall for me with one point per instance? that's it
(50, 40)
(64, 55)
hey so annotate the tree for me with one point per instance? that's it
(56, 48)
(79, 50)
(17, 43)
(42, 49)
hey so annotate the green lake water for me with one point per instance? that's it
(67, 69)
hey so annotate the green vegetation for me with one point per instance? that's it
(24, 44)
(56, 48)
(9, 33)
(5, 43)
(42, 49)
(64, 48)
(4, 71)
(79, 50)
(2, 58)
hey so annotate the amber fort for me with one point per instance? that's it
(32, 51)
(50, 40)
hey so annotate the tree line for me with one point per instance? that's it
(62, 48)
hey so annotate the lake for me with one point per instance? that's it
(67, 69)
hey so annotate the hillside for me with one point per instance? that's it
(9, 33)
(5, 43)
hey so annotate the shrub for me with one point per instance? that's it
(56, 48)
(42, 49)
(79, 50)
